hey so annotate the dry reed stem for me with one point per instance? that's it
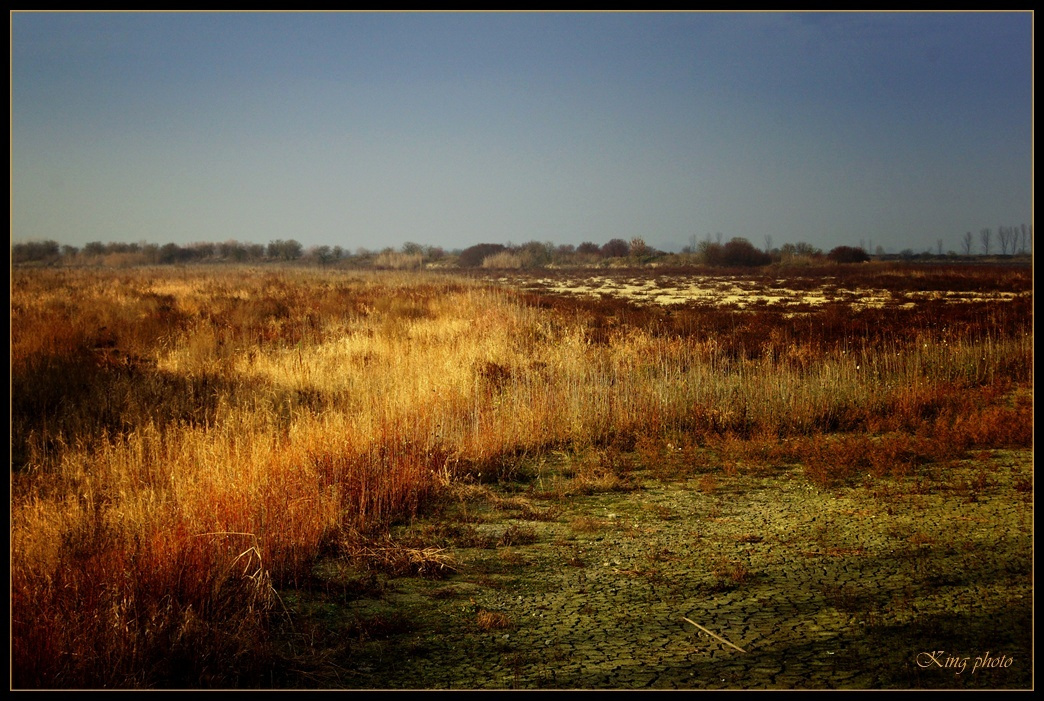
(713, 635)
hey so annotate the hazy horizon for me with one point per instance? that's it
(372, 129)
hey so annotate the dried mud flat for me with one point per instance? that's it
(919, 583)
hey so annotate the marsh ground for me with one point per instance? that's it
(924, 582)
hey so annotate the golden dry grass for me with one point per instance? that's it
(185, 441)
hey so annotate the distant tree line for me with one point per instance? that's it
(538, 254)
(43, 251)
(154, 254)
(1013, 240)
(737, 252)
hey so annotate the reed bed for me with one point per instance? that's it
(187, 441)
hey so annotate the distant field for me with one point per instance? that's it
(193, 447)
(743, 291)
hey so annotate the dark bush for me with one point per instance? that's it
(472, 257)
(616, 248)
(740, 252)
(848, 254)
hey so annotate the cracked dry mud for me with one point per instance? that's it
(892, 584)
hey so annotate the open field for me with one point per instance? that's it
(291, 477)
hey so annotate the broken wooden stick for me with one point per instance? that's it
(716, 637)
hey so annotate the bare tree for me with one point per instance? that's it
(938, 243)
(638, 247)
(966, 243)
(1004, 235)
(1027, 233)
(985, 236)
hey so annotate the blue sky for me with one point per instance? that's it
(374, 129)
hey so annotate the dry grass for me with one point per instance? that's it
(186, 441)
(493, 620)
(586, 524)
(429, 562)
(730, 574)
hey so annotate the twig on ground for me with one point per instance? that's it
(716, 637)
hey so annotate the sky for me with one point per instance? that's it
(370, 130)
